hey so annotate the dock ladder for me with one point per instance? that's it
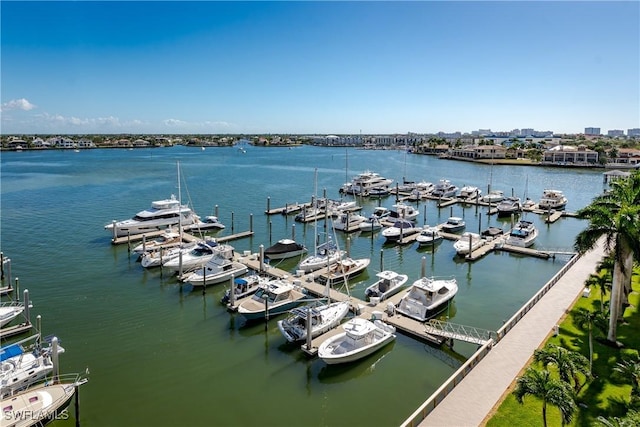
(459, 332)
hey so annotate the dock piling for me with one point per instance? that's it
(27, 314)
(54, 359)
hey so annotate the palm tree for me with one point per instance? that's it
(616, 217)
(629, 370)
(584, 317)
(602, 281)
(551, 391)
(569, 363)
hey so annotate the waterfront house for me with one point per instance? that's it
(567, 155)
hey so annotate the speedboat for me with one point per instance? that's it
(468, 242)
(427, 297)
(378, 192)
(168, 239)
(275, 297)
(243, 287)
(444, 188)
(362, 183)
(389, 283)
(399, 230)
(509, 206)
(284, 248)
(323, 317)
(361, 337)
(211, 222)
(371, 224)
(469, 192)
(189, 259)
(429, 236)
(220, 268)
(9, 311)
(348, 221)
(453, 225)
(343, 270)
(523, 234)
(494, 196)
(403, 211)
(552, 199)
(162, 214)
(381, 212)
(326, 254)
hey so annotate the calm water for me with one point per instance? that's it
(160, 354)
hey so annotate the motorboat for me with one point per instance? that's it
(381, 212)
(399, 230)
(523, 234)
(371, 224)
(552, 199)
(361, 337)
(468, 242)
(389, 283)
(494, 196)
(323, 317)
(335, 208)
(168, 239)
(326, 254)
(284, 248)
(22, 366)
(470, 192)
(348, 221)
(9, 311)
(403, 211)
(162, 214)
(274, 297)
(309, 212)
(362, 183)
(429, 236)
(427, 297)
(220, 268)
(454, 224)
(210, 222)
(343, 270)
(491, 233)
(243, 287)
(378, 192)
(161, 255)
(191, 258)
(509, 206)
(444, 188)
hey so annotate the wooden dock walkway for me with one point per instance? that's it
(187, 237)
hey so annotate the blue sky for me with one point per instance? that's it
(318, 67)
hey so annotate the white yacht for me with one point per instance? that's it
(468, 242)
(343, 270)
(285, 248)
(429, 236)
(220, 268)
(470, 192)
(403, 211)
(275, 297)
(453, 225)
(9, 311)
(427, 297)
(365, 181)
(168, 239)
(509, 206)
(326, 254)
(399, 230)
(323, 317)
(389, 283)
(348, 221)
(523, 234)
(552, 199)
(190, 259)
(361, 337)
(494, 196)
(371, 224)
(444, 188)
(162, 214)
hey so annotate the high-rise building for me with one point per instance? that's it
(633, 132)
(615, 132)
(592, 131)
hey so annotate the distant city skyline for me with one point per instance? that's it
(318, 67)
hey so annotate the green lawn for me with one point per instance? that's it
(604, 395)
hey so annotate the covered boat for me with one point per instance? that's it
(284, 248)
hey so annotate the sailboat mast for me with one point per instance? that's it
(179, 202)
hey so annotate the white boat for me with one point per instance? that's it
(389, 283)
(444, 188)
(429, 236)
(468, 242)
(494, 196)
(403, 211)
(211, 222)
(276, 296)
(324, 317)
(22, 366)
(552, 199)
(509, 206)
(523, 234)
(381, 212)
(361, 337)
(348, 221)
(161, 255)
(453, 225)
(40, 404)
(162, 214)
(343, 269)
(168, 239)
(470, 192)
(326, 254)
(427, 297)
(364, 182)
(371, 224)
(378, 192)
(243, 287)
(399, 230)
(220, 268)
(284, 248)
(9, 311)
(191, 258)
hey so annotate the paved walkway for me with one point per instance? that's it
(474, 397)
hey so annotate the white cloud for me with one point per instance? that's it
(17, 104)
(174, 122)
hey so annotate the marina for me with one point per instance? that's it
(160, 319)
